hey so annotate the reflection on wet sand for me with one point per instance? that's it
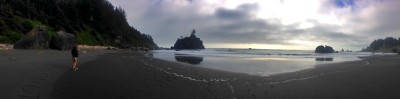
(189, 59)
(324, 59)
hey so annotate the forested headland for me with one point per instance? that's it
(93, 22)
(389, 44)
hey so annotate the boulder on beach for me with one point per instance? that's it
(324, 49)
(37, 38)
(191, 42)
(63, 41)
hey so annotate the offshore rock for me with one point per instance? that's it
(324, 49)
(191, 42)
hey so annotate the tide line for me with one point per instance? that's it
(187, 77)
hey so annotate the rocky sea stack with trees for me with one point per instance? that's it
(389, 44)
(92, 22)
(324, 49)
(190, 43)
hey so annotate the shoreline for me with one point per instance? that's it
(127, 74)
(262, 65)
(138, 76)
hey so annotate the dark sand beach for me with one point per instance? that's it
(31, 73)
(132, 75)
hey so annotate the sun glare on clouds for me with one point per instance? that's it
(258, 46)
(294, 12)
(287, 12)
(276, 24)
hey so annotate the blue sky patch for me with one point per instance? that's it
(344, 3)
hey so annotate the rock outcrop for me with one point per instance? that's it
(324, 49)
(63, 41)
(191, 42)
(37, 38)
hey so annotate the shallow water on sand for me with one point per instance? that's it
(254, 62)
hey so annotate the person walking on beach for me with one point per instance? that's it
(75, 55)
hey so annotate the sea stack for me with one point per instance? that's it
(189, 43)
(324, 49)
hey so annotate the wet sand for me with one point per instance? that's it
(127, 75)
(31, 73)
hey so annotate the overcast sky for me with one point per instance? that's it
(267, 24)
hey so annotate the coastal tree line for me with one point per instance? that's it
(387, 44)
(94, 22)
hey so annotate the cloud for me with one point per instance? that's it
(241, 12)
(341, 23)
(231, 14)
(373, 20)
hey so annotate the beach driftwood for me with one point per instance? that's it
(6, 46)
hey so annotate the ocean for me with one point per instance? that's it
(262, 62)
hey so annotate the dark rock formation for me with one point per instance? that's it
(63, 41)
(324, 49)
(191, 42)
(38, 38)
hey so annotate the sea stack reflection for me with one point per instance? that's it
(189, 59)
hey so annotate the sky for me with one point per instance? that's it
(266, 24)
